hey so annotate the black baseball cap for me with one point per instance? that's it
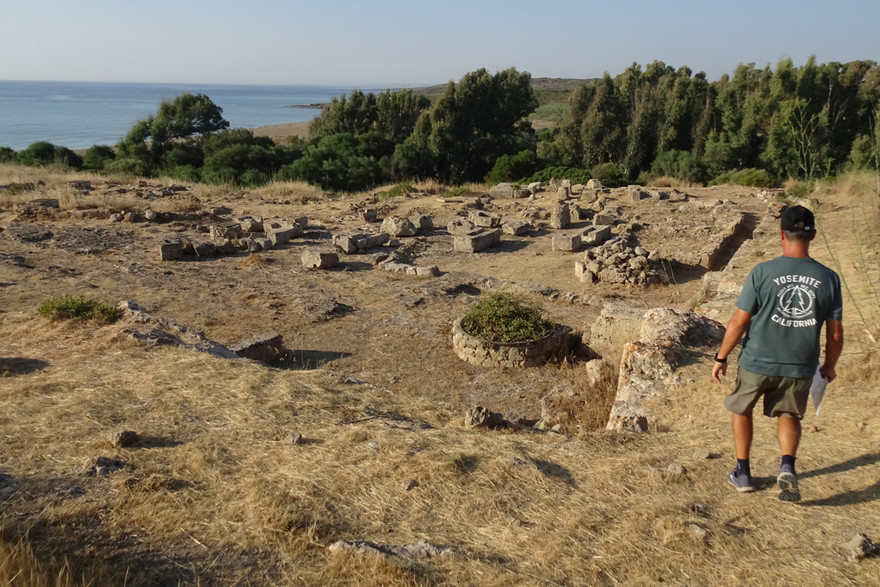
(798, 219)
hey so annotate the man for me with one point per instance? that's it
(781, 310)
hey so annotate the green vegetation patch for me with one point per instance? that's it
(504, 318)
(70, 308)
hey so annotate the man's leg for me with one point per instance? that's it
(741, 478)
(788, 430)
(742, 435)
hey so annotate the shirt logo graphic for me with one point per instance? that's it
(796, 301)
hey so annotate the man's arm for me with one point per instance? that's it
(833, 348)
(737, 326)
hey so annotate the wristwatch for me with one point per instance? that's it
(719, 359)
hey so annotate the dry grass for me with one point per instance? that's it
(671, 182)
(215, 493)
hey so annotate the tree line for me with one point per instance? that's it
(758, 126)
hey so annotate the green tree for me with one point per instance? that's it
(97, 157)
(472, 124)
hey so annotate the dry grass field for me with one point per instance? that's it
(217, 492)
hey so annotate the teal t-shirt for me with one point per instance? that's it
(789, 299)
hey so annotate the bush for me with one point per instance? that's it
(71, 308)
(513, 167)
(609, 174)
(400, 189)
(751, 177)
(8, 155)
(503, 318)
(97, 157)
(575, 174)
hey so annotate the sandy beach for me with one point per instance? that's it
(281, 132)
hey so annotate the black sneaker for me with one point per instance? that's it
(741, 481)
(788, 484)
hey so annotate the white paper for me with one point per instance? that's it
(817, 390)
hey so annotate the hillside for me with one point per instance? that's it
(247, 473)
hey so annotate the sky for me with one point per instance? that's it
(410, 43)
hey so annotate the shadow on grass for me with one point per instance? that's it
(302, 360)
(870, 493)
(554, 471)
(20, 366)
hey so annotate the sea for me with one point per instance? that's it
(78, 115)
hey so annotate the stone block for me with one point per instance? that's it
(563, 193)
(249, 224)
(369, 215)
(429, 271)
(566, 242)
(459, 226)
(589, 196)
(561, 216)
(635, 192)
(422, 221)
(205, 249)
(577, 189)
(516, 227)
(484, 219)
(265, 243)
(477, 240)
(371, 241)
(595, 235)
(604, 218)
(225, 247)
(398, 226)
(281, 233)
(534, 187)
(230, 230)
(594, 184)
(170, 251)
(315, 259)
(347, 243)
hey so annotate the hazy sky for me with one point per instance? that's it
(370, 43)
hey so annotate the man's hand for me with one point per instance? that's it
(828, 373)
(719, 368)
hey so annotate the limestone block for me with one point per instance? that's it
(429, 271)
(398, 226)
(595, 235)
(561, 216)
(230, 230)
(534, 187)
(516, 227)
(502, 190)
(589, 196)
(281, 233)
(249, 224)
(458, 226)
(635, 192)
(205, 249)
(484, 219)
(369, 215)
(578, 189)
(594, 184)
(477, 240)
(563, 193)
(422, 221)
(347, 243)
(225, 247)
(170, 251)
(365, 242)
(566, 242)
(265, 243)
(604, 218)
(315, 259)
